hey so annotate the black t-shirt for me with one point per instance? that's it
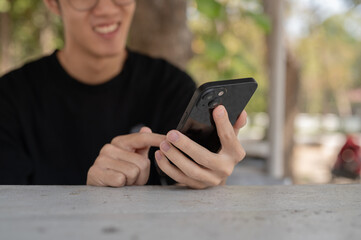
(52, 126)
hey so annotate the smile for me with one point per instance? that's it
(107, 28)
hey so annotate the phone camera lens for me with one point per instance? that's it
(208, 96)
(220, 94)
(214, 103)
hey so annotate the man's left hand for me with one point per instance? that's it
(208, 168)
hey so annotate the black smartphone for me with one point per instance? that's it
(197, 121)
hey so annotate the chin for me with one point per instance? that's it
(109, 53)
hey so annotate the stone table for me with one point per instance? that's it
(170, 212)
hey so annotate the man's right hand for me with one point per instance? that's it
(124, 161)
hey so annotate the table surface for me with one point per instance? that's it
(159, 212)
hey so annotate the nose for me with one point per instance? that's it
(105, 7)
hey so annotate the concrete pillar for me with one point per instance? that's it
(277, 73)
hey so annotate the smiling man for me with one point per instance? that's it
(76, 116)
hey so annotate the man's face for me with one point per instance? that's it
(100, 31)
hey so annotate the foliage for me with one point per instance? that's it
(229, 43)
(330, 56)
(28, 20)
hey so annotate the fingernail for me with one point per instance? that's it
(220, 111)
(173, 136)
(158, 155)
(165, 146)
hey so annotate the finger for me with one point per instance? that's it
(143, 163)
(241, 122)
(128, 169)
(189, 167)
(145, 130)
(225, 131)
(221, 164)
(136, 141)
(198, 153)
(107, 177)
(174, 173)
(144, 151)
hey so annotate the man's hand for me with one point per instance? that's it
(209, 169)
(125, 160)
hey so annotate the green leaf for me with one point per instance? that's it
(261, 20)
(215, 50)
(240, 61)
(4, 6)
(210, 8)
(21, 7)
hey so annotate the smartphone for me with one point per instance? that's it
(197, 121)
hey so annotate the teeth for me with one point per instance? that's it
(107, 29)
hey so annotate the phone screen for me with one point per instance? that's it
(204, 134)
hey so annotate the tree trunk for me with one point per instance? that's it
(276, 72)
(5, 35)
(47, 35)
(292, 82)
(292, 96)
(160, 29)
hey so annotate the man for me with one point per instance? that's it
(82, 103)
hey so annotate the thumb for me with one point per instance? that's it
(144, 151)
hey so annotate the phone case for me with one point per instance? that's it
(197, 121)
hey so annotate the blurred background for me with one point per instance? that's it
(224, 39)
